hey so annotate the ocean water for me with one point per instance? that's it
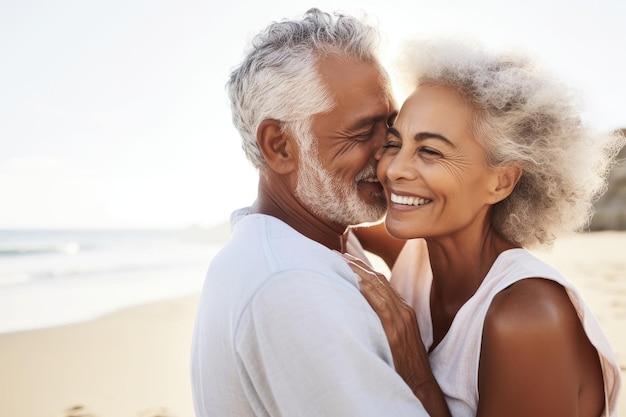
(50, 278)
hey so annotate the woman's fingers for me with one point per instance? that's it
(383, 299)
(397, 317)
(376, 282)
(399, 323)
(372, 288)
(358, 263)
(374, 293)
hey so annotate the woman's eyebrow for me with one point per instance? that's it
(393, 131)
(428, 135)
(421, 136)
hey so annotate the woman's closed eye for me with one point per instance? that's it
(391, 146)
(429, 152)
(392, 143)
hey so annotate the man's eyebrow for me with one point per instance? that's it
(367, 122)
(421, 136)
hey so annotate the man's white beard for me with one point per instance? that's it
(329, 197)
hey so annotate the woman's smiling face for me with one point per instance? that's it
(433, 169)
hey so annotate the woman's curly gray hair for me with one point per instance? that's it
(525, 116)
(278, 78)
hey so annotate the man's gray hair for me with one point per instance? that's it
(279, 79)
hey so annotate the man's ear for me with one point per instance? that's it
(506, 180)
(279, 149)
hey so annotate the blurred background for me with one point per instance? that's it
(114, 113)
(119, 167)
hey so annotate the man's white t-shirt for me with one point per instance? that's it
(283, 330)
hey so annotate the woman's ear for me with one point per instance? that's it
(279, 149)
(507, 178)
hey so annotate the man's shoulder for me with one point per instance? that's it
(261, 248)
(268, 239)
(238, 214)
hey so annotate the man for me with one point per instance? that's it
(282, 329)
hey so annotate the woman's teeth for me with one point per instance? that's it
(409, 201)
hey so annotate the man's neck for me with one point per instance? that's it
(329, 234)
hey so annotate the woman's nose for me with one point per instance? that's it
(400, 167)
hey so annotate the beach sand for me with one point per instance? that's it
(135, 363)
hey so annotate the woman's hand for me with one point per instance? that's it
(401, 328)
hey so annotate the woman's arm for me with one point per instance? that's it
(376, 240)
(400, 323)
(535, 358)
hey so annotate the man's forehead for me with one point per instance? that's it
(332, 68)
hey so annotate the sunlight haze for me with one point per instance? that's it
(114, 113)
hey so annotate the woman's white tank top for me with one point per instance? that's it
(455, 360)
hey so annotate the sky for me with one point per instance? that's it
(113, 114)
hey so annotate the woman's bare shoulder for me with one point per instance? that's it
(531, 301)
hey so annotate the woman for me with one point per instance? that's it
(488, 157)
